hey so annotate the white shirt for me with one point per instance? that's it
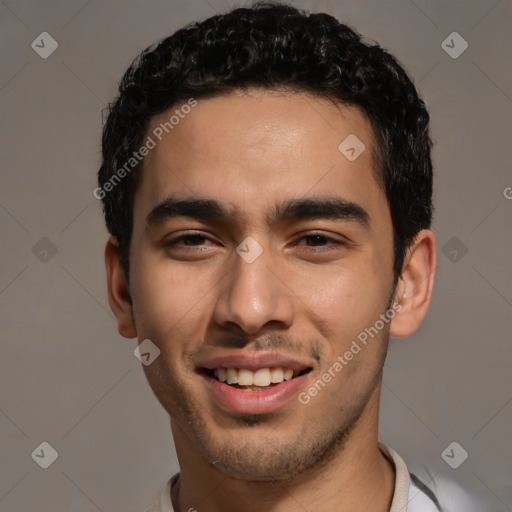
(410, 495)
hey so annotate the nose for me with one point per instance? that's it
(253, 295)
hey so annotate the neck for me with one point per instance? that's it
(356, 476)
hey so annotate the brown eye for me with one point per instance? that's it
(189, 240)
(321, 241)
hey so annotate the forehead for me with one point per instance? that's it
(253, 149)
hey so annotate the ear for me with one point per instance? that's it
(119, 290)
(415, 285)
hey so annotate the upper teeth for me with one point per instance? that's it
(261, 377)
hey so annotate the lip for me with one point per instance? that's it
(254, 402)
(254, 362)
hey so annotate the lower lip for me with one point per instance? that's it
(255, 402)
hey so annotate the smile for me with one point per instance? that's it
(243, 378)
(261, 391)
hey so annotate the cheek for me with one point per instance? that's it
(346, 299)
(168, 302)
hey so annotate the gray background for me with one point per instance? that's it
(68, 378)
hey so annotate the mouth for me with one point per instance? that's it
(250, 380)
(254, 391)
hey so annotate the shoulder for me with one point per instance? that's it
(418, 490)
(427, 492)
(451, 496)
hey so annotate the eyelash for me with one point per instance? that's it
(333, 241)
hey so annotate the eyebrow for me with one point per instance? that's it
(294, 210)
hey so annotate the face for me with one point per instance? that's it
(258, 244)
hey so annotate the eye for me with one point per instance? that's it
(189, 240)
(321, 242)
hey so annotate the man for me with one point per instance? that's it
(267, 184)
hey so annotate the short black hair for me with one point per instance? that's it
(274, 46)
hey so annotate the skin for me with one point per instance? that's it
(303, 297)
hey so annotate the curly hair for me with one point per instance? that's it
(275, 46)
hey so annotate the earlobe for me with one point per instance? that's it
(118, 290)
(415, 286)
